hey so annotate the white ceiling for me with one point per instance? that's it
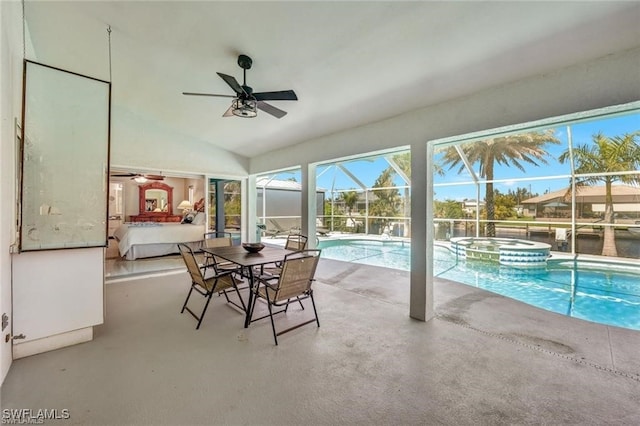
(350, 63)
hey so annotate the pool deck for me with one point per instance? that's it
(498, 316)
(483, 359)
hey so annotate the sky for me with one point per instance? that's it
(554, 173)
(368, 170)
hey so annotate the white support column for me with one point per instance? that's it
(421, 281)
(309, 203)
(250, 209)
(366, 211)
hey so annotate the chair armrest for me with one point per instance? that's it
(265, 281)
(216, 275)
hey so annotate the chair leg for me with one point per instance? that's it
(313, 303)
(206, 305)
(273, 325)
(187, 300)
(226, 296)
(244, 307)
(253, 305)
(207, 263)
(289, 302)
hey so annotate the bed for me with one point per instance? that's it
(149, 239)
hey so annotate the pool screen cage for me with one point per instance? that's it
(572, 182)
(366, 195)
(536, 181)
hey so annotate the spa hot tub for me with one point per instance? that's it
(506, 251)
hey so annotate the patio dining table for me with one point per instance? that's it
(241, 257)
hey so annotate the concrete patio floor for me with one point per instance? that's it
(484, 359)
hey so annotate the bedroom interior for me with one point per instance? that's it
(143, 206)
(133, 200)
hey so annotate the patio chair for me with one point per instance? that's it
(218, 239)
(293, 285)
(562, 238)
(321, 229)
(294, 242)
(277, 229)
(207, 285)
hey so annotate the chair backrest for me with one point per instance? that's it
(296, 242)
(298, 270)
(217, 239)
(192, 265)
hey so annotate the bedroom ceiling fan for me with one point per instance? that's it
(246, 102)
(138, 177)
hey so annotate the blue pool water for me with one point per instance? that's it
(590, 291)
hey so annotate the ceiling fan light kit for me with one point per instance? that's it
(244, 108)
(246, 103)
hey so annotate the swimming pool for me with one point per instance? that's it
(587, 290)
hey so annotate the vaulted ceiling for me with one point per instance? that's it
(350, 63)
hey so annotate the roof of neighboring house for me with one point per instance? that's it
(472, 203)
(621, 193)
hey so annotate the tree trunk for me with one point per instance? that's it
(491, 226)
(609, 244)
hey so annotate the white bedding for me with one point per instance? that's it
(136, 241)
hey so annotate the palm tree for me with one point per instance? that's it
(510, 150)
(403, 162)
(387, 198)
(606, 155)
(350, 199)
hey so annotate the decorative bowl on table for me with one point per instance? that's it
(253, 247)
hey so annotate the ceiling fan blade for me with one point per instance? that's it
(270, 109)
(154, 177)
(207, 94)
(231, 81)
(123, 174)
(283, 95)
(228, 112)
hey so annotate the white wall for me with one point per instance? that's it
(88, 310)
(199, 189)
(10, 101)
(56, 293)
(139, 143)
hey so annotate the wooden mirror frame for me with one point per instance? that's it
(143, 199)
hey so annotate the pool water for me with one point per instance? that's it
(577, 289)
(390, 254)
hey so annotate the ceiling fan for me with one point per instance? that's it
(138, 177)
(246, 101)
